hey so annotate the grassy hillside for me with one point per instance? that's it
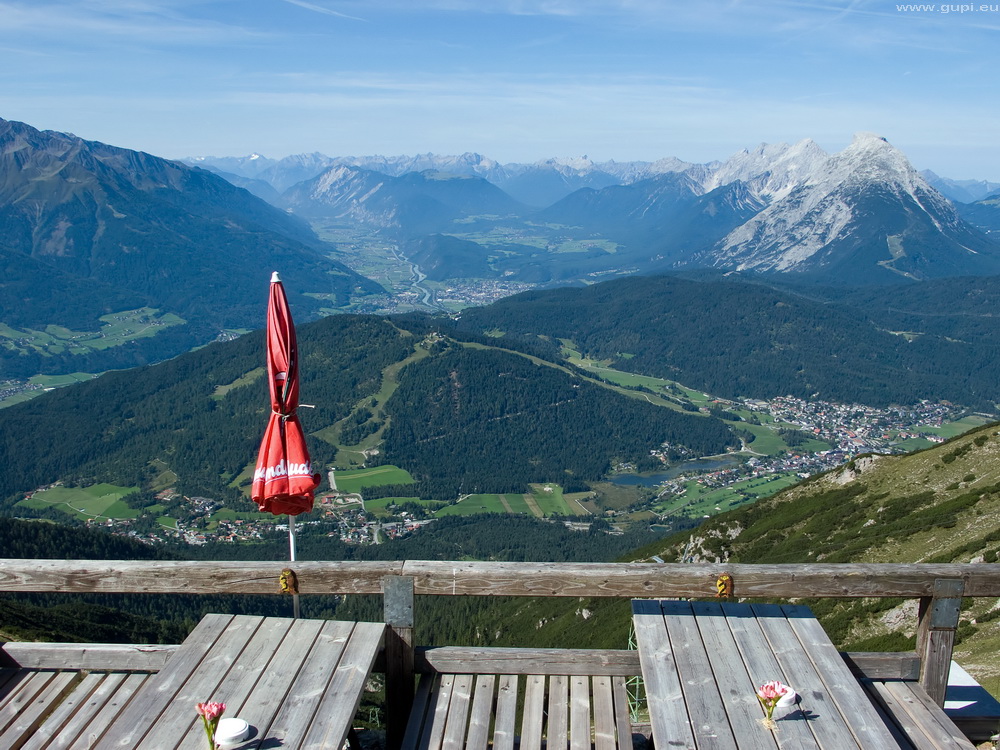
(937, 505)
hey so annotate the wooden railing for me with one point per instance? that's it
(939, 589)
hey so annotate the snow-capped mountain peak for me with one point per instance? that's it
(867, 200)
(771, 171)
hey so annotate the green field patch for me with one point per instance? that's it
(699, 500)
(250, 377)
(383, 506)
(119, 509)
(164, 478)
(116, 329)
(97, 501)
(581, 503)
(515, 503)
(550, 499)
(228, 514)
(471, 504)
(170, 523)
(914, 444)
(355, 480)
(953, 429)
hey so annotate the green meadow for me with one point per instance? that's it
(116, 329)
(355, 480)
(96, 501)
(540, 502)
(699, 500)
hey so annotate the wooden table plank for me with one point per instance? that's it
(422, 702)
(298, 683)
(28, 686)
(762, 666)
(843, 687)
(737, 690)
(178, 717)
(260, 708)
(245, 670)
(339, 702)
(56, 728)
(506, 715)
(927, 716)
(708, 714)
(142, 712)
(830, 728)
(557, 736)
(623, 723)
(482, 712)
(313, 664)
(438, 720)
(670, 724)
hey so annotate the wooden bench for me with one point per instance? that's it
(913, 717)
(566, 698)
(64, 695)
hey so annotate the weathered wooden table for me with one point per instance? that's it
(702, 663)
(297, 683)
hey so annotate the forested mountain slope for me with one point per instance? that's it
(88, 229)
(734, 337)
(464, 416)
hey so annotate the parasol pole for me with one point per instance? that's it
(291, 557)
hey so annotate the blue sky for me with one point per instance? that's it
(516, 80)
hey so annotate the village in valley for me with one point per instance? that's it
(815, 436)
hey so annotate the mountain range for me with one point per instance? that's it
(863, 215)
(115, 258)
(89, 229)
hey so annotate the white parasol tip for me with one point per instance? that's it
(275, 279)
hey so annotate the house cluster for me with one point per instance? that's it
(858, 428)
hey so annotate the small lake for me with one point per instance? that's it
(698, 464)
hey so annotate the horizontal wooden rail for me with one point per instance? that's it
(102, 657)
(904, 665)
(624, 580)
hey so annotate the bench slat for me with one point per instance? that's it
(558, 734)
(503, 734)
(33, 713)
(534, 703)
(604, 713)
(482, 711)
(418, 713)
(458, 712)
(579, 713)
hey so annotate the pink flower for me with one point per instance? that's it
(770, 693)
(210, 714)
(210, 711)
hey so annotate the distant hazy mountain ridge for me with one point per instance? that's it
(863, 215)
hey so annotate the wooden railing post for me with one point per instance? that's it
(397, 594)
(938, 621)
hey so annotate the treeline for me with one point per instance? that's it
(473, 420)
(735, 338)
(37, 539)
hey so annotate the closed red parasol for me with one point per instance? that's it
(283, 482)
